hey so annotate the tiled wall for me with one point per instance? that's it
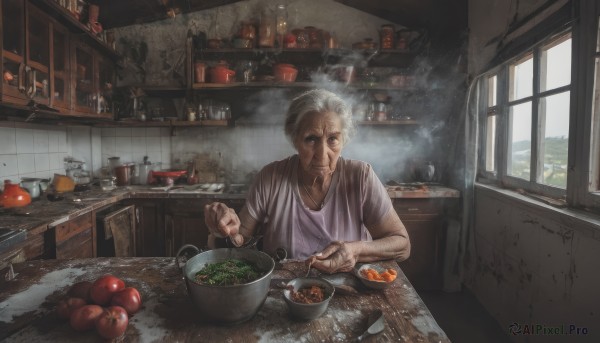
(132, 144)
(28, 150)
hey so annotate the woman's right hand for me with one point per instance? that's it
(222, 222)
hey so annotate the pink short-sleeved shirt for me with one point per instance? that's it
(355, 196)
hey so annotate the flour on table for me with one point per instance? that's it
(148, 323)
(31, 298)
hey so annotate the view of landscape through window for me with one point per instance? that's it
(553, 116)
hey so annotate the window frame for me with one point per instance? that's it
(502, 109)
(584, 125)
(587, 125)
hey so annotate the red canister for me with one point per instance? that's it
(14, 196)
(386, 36)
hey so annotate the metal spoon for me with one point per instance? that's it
(376, 325)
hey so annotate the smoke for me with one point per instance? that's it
(396, 152)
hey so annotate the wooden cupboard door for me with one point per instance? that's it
(105, 81)
(424, 266)
(38, 48)
(13, 51)
(84, 97)
(184, 230)
(75, 238)
(78, 246)
(60, 71)
(184, 221)
(149, 227)
(425, 224)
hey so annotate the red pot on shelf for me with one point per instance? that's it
(285, 72)
(221, 74)
(14, 196)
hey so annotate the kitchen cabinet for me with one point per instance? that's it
(93, 80)
(26, 59)
(184, 222)
(426, 226)
(115, 226)
(75, 238)
(48, 66)
(149, 226)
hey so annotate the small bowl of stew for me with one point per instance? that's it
(375, 276)
(308, 298)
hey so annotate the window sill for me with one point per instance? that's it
(585, 222)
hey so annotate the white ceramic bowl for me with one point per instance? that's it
(307, 311)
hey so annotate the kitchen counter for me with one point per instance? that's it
(42, 213)
(421, 190)
(27, 307)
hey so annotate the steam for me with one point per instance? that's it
(395, 152)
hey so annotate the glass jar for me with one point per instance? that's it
(302, 39)
(281, 24)
(266, 30)
(315, 37)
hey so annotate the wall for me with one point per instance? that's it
(132, 144)
(528, 263)
(251, 146)
(28, 150)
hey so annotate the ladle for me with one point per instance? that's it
(376, 325)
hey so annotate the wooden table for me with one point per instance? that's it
(27, 305)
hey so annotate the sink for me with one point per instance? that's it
(10, 237)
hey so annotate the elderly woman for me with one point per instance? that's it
(316, 203)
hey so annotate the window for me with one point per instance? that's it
(527, 119)
(541, 115)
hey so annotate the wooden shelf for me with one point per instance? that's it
(204, 122)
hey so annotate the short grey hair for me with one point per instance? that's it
(319, 101)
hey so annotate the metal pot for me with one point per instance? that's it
(227, 304)
(124, 173)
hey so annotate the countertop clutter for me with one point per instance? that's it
(42, 211)
(28, 304)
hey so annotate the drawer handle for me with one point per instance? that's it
(413, 209)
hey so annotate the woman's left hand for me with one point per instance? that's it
(337, 257)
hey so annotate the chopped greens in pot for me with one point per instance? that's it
(227, 273)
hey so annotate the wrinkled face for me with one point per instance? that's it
(319, 143)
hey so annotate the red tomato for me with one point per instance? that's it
(128, 298)
(66, 306)
(81, 290)
(84, 318)
(104, 288)
(112, 323)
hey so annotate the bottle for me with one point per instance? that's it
(281, 24)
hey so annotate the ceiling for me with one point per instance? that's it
(435, 15)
